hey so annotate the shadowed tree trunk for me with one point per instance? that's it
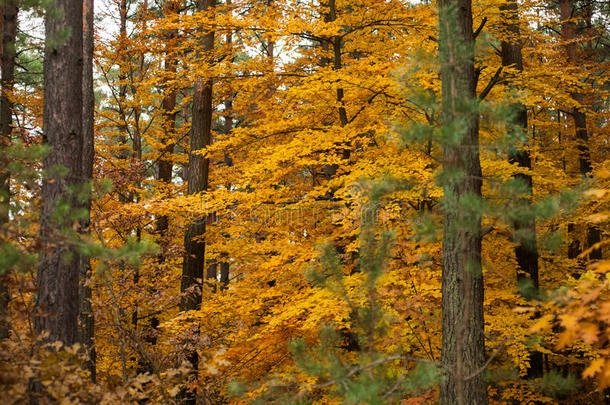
(228, 161)
(463, 347)
(526, 249)
(9, 30)
(58, 272)
(336, 42)
(164, 171)
(123, 84)
(165, 164)
(568, 34)
(197, 177)
(86, 330)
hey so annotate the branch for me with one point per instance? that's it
(491, 84)
(486, 230)
(478, 30)
(489, 360)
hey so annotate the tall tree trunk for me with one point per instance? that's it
(201, 131)
(164, 170)
(197, 177)
(228, 161)
(463, 347)
(526, 249)
(9, 30)
(165, 164)
(123, 130)
(87, 325)
(337, 64)
(336, 42)
(58, 272)
(568, 34)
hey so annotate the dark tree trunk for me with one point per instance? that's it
(9, 30)
(197, 177)
(86, 330)
(164, 172)
(568, 34)
(463, 347)
(526, 250)
(228, 161)
(336, 42)
(165, 164)
(123, 196)
(201, 127)
(58, 272)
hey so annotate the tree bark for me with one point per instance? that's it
(228, 161)
(58, 272)
(336, 42)
(123, 196)
(201, 132)
(568, 34)
(9, 30)
(87, 324)
(526, 249)
(165, 164)
(164, 172)
(463, 346)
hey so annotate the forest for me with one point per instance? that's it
(305, 202)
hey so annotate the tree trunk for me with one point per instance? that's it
(228, 161)
(123, 196)
(164, 173)
(526, 250)
(463, 347)
(9, 30)
(165, 164)
(336, 42)
(58, 272)
(201, 128)
(568, 34)
(87, 324)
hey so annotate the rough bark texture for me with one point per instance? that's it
(228, 161)
(526, 251)
(201, 128)
(197, 177)
(123, 129)
(58, 272)
(86, 326)
(165, 164)
(9, 29)
(463, 346)
(336, 42)
(164, 173)
(568, 34)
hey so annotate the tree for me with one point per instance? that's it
(165, 164)
(9, 30)
(87, 324)
(568, 35)
(463, 351)
(60, 263)
(201, 129)
(526, 248)
(198, 169)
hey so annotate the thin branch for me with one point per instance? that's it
(494, 80)
(490, 359)
(478, 30)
